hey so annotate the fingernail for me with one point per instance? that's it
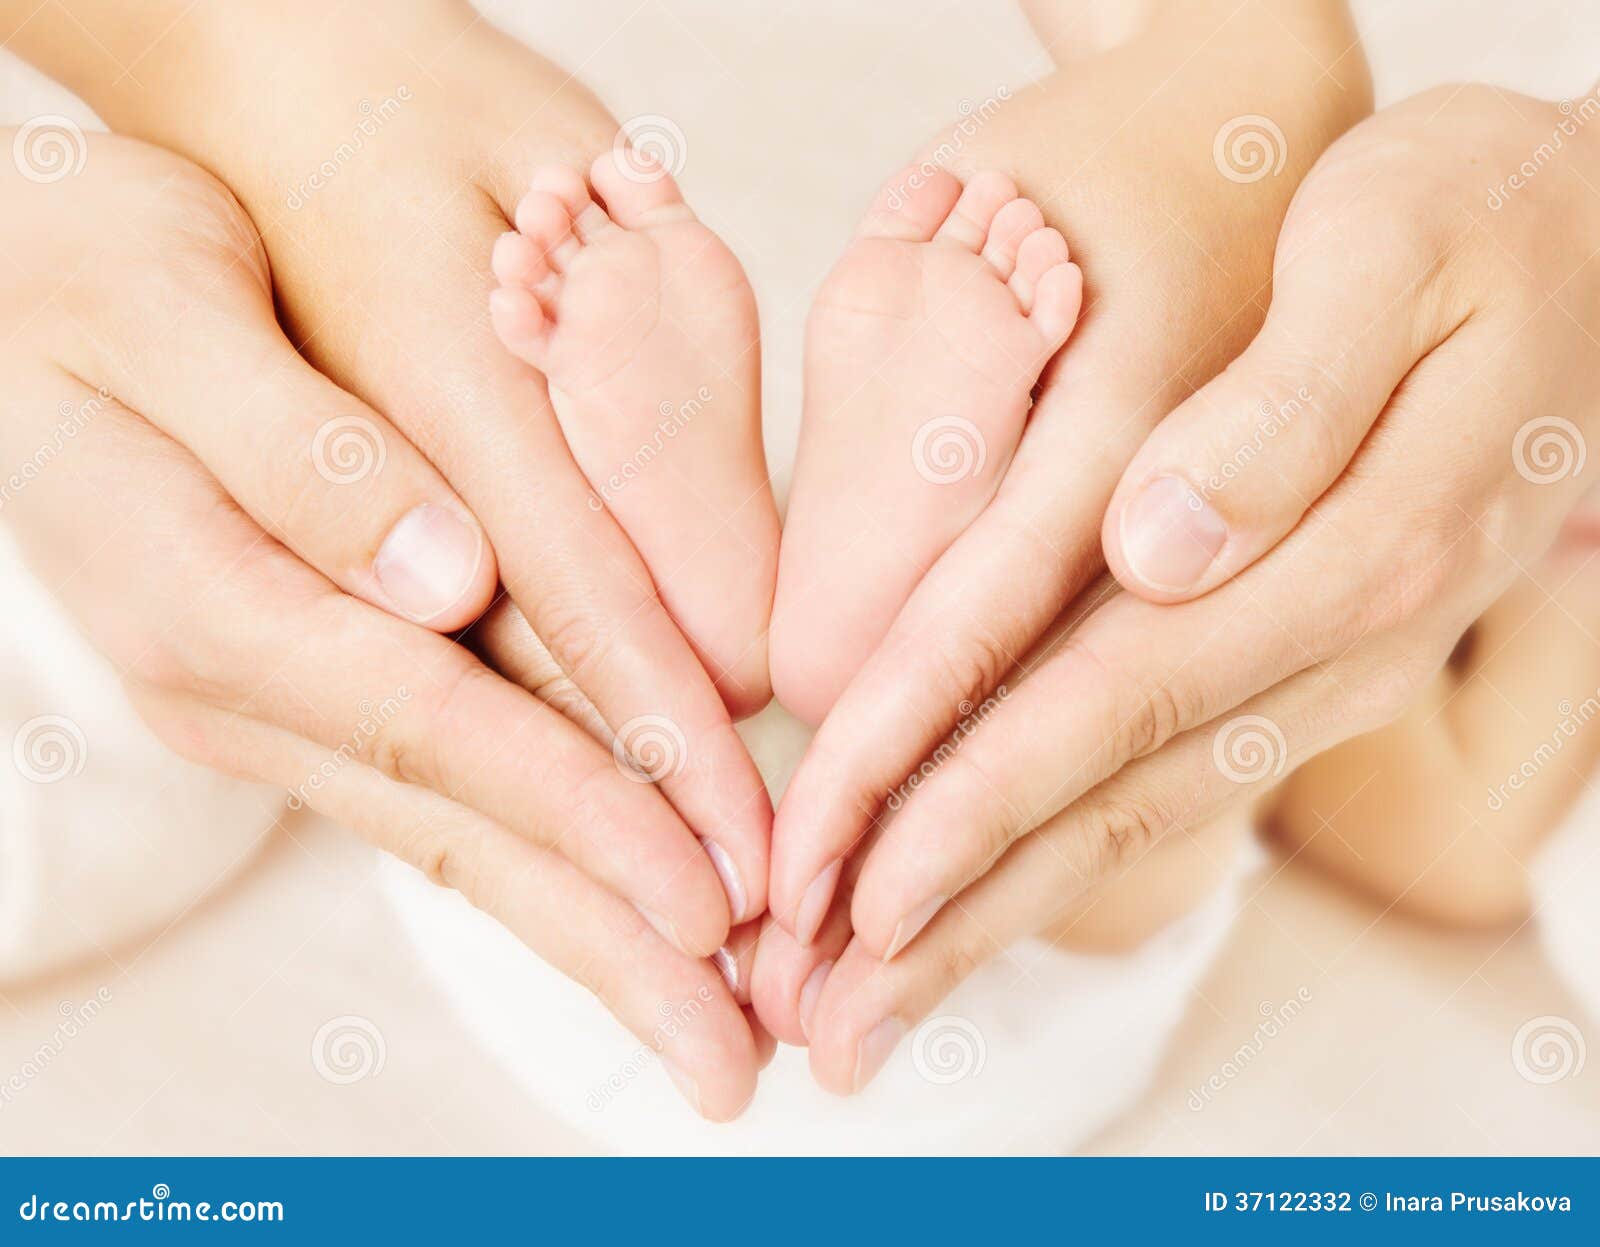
(814, 904)
(810, 993)
(726, 962)
(729, 874)
(664, 929)
(685, 1085)
(1170, 535)
(913, 922)
(874, 1049)
(428, 561)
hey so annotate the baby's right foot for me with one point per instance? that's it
(922, 352)
(645, 327)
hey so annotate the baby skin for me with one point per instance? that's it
(922, 352)
(645, 328)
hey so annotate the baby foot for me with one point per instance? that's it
(645, 327)
(922, 351)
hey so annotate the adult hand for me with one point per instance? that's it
(162, 478)
(1134, 155)
(1414, 415)
(381, 150)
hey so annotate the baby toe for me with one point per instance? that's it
(912, 204)
(520, 323)
(568, 187)
(1011, 225)
(983, 197)
(517, 261)
(1043, 249)
(543, 219)
(1057, 299)
(637, 189)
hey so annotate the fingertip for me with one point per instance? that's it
(1162, 539)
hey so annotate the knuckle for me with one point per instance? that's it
(405, 746)
(428, 849)
(1400, 590)
(958, 959)
(1120, 831)
(1151, 721)
(967, 673)
(576, 638)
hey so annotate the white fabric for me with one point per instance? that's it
(1036, 1052)
(104, 834)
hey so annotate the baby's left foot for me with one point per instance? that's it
(922, 351)
(645, 327)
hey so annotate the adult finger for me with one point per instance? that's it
(868, 1005)
(485, 419)
(191, 594)
(1134, 673)
(978, 610)
(318, 469)
(580, 928)
(1234, 468)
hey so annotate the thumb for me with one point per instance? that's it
(1232, 469)
(318, 469)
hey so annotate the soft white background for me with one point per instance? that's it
(793, 112)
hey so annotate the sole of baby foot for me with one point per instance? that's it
(922, 352)
(645, 328)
